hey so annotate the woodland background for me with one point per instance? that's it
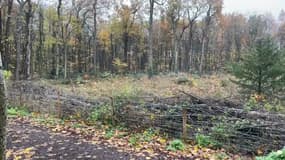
(65, 39)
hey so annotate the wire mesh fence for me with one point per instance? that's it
(183, 116)
(228, 126)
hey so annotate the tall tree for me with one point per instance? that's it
(40, 48)
(19, 30)
(29, 16)
(194, 10)
(214, 8)
(174, 15)
(150, 40)
(95, 8)
(3, 114)
(150, 36)
(58, 35)
(6, 54)
(127, 14)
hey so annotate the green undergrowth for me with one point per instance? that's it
(131, 138)
(176, 145)
(17, 111)
(278, 155)
(146, 136)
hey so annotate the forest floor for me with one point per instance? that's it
(45, 138)
(27, 141)
(217, 86)
(35, 136)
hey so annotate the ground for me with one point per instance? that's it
(27, 141)
(213, 86)
(51, 139)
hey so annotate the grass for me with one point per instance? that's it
(17, 111)
(214, 86)
(119, 136)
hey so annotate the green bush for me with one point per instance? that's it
(105, 75)
(279, 155)
(134, 139)
(221, 133)
(14, 112)
(119, 66)
(182, 80)
(148, 135)
(109, 134)
(176, 145)
(251, 104)
(203, 140)
(101, 113)
(127, 92)
(7, 75)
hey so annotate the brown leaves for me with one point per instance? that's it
(26, 153)
(147, 144)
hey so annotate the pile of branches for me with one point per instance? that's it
(42, 98)
(225, 122)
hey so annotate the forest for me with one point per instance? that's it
(63, 39)
(140, 79)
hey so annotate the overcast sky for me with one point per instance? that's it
(254, 6)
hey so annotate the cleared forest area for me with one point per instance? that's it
(133, 79)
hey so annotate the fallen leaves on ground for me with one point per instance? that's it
(155, 147)
(26, 153)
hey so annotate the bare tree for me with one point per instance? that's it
(3, 114)
(6, 54)
(59, 25)
(174, 15)
(95, 6)
(150, 36)
(194, 10)
(19, 27)
(214, 8)
(29, 16)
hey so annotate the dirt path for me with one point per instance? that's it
(32, 142)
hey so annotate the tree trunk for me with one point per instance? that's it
(65, 60)
(150, 41)
(18, 47)
(29, 40)
(188, 56)
(41, 39)
(7, 32)
(59, 27)
(205, 39)
(95, 35)
(3, 114)
(202, 58)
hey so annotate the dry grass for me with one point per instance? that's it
(214, 86)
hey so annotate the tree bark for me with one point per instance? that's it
(205, 39)
(29, 39)
(150, 41)
(41, 40)
(58, 36)
(18, 39)
(7, 32)
(3, 114)
(3, 117)
(95, 35)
